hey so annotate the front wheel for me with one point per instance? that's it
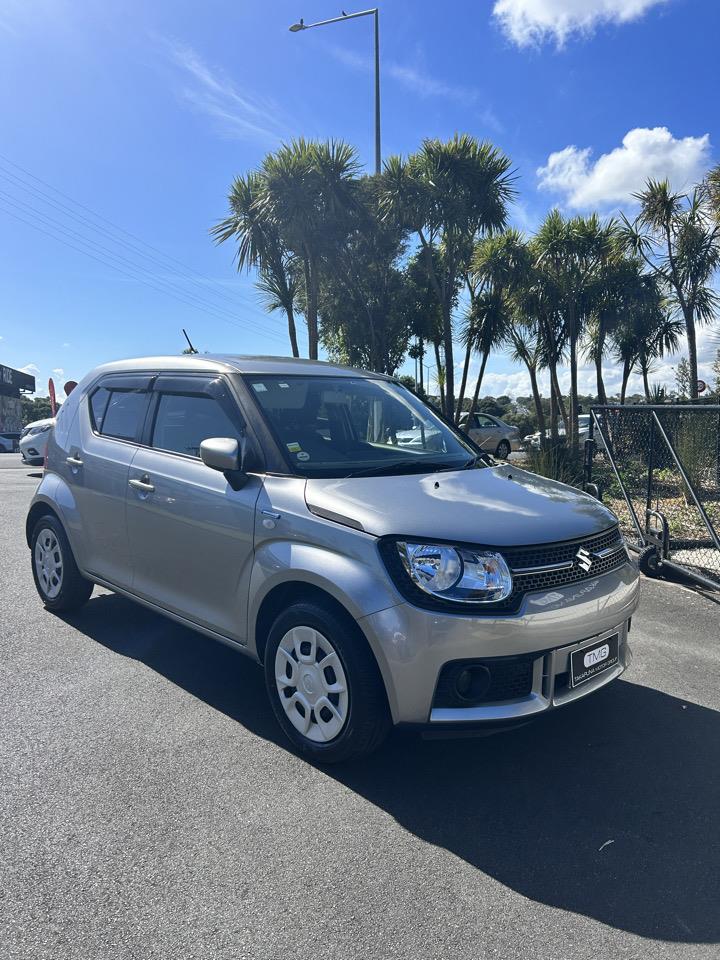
(503, 450)
(61, 586)
(324, 684)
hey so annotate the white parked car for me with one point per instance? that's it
(33, 441)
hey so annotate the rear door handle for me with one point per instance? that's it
(143, 485)
(73, 461)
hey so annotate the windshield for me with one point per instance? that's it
(342, 426)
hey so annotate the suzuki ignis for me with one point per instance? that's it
(277, 505)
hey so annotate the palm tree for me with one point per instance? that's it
(259, 247)
(308, 193)
(498, 267)
(526, 347)
(448, 194)
(647, 332)
(571, 253)
(676, 238)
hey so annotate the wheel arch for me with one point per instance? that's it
(40, 508)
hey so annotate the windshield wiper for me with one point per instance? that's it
(409, 466)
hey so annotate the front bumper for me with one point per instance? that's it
(412, 646)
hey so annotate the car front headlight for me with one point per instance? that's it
(458, 574)
(43, 429)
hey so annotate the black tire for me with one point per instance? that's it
(74, 589)
(368, 717)
(649, 562)
(503, 450)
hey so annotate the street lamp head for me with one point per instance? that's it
(296, 27)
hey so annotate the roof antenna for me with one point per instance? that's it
(192, 348)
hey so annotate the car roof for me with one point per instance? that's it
(235, 363)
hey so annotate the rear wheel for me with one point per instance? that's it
(61, 586)
(503, 450)
(324, 684)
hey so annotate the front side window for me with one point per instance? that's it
(120, 414)
(484, 421)
(183, 421)
(342, 426)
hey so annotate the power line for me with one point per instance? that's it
(62, 228)
(126, 273)
(206, 283)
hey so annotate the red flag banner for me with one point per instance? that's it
(53, 402)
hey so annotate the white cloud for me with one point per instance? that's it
(59, 372)
(530, 22)
(238, 115)
(613, 178)
(32, 368)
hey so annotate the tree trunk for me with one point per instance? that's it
(311, 298)
(627, 368)
(537, 400)
(292, 331)
(646, 384)
(571, 429)
(558, 395)
(466, 368)
(449, 363)
(602, 395)
(422, 357)
(553, 415)
(478, 384)
(440, 381)
(692, 353)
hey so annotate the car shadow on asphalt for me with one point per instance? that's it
(608, 808)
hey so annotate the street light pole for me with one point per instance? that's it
(301, 25)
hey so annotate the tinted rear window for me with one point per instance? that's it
(122, 415)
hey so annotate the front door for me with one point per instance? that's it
(191, 535)
(485, 432)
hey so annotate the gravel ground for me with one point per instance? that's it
(151, 809)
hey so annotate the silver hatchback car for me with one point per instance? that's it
(269, 504)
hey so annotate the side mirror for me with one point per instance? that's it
(220, 453)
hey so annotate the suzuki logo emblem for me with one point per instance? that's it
(584, 559)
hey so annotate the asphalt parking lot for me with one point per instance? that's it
(150, 807)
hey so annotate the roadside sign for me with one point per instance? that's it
(701, 386)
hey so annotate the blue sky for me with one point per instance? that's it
(142, 113)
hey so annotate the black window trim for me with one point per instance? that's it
(121, 383)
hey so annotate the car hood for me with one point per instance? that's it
(499, 506)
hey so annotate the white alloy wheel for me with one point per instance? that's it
(49, 563)
(311, 684)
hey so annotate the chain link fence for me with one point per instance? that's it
(658, 469)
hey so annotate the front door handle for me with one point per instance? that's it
(73, 461)
(143, 485)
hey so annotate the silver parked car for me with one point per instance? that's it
(269, 504)
(491, 434)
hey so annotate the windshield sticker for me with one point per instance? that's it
(284, 386)
(294, 447)
(259, 388)
(303, 455)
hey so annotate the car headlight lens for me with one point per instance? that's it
(44, 429)
(456, 573)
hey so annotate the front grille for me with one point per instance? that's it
(519, 558)
(511, 679)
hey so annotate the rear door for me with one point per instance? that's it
(191, 535)
(98, 452)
